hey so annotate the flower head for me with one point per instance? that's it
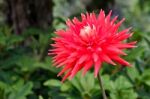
(90, 42)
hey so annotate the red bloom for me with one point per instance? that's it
(88, 43)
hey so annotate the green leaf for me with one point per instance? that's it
(47, 64)
(22, 92)
(90, 80)
(14, 39)
(134, 53)
(146, 77)
(122, 83)
(76, 83)
(2, 93)
(108, 84)
(83, 83)
(3, 85)
(53, 82)
(2, 39)
(133, 73)
(123, 94)
(28, 63)
(143, 94)
(40, 97)
(66, 86)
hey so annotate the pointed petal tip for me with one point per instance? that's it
(131, 34)
(123, 19)
(116, 16)
(123, 53)
(128, 65)
(114, 64)
(100, 10)
(58, 66)
(110, 12)
(66, 76)
(135, 46)
(58, 75)
(95, 75)
(62, 81)
(134, 42)
(82, 14)
(71, 77)
(50, 54)
(129, 28)
(83, 74)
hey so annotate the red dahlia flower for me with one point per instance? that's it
(88, 43)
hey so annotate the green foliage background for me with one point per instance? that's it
(26, 72)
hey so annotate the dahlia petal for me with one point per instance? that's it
(61, 33)
(76, 68)
(73, 45)
(101, 17)
(76, 21)
(93, 17)
(88, 18)
(82, 59)
(61, 64)
(97, 67)
(57, 61)
(118, 25)
(70, 60)
(113, 49)
(120, 60)
(87, 66)
(54, 50)
(67, 67)
(120, 22)
(124, 31)
(122, 46)
(95, 57)
(74, 54)
(60, 56)
(51, 53)
(132, 43)
(114, 19)
(107, 59)
(83, 17)
(109, 16)
(79, 41)
(124, 36)
(66, 76)
(66, 61)
(69, 23)
(121, 33)
(56, 45)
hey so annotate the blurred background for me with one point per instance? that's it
(26, 72)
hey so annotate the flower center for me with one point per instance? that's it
(86, 31)
(88, 34)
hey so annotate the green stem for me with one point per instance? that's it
(101, 86)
